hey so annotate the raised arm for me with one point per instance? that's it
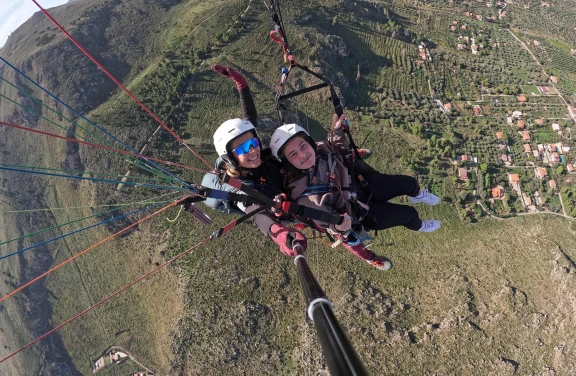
(246, 101)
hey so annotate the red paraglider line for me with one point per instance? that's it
(106, 299)
(121, 86)
(102, 147)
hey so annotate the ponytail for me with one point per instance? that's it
(232, 172)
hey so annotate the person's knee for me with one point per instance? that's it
(409, 181)
(410, 212)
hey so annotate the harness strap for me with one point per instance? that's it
(331, 167)
(302, 91)
(229, 196)
(285, 206)
(310, 213)
(226, 229)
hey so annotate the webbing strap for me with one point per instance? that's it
(226, 229)
(235, 183)
(319, 189)
(287, 207)
(311, 213)
(229, 196)
(303, 91)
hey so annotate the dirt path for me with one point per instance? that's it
(562, 203)
(521, 214)
(543, 70)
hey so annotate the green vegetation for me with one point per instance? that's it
(234, 305)
(560, 44)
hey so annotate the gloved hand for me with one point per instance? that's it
(237, 77)
(285, 236)
(187, 203)
(345, 225)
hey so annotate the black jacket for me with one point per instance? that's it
(266, 178)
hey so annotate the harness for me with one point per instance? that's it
(360, 208)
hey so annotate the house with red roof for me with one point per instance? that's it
(526, 136)
(540, 172)
(521, 98)
(496, 192)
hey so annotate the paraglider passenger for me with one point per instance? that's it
(318, 176)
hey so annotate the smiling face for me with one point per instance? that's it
(250, 159)
(300, 153)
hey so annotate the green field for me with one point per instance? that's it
(529, 89)
(560, 44)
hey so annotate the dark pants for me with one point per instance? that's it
(383, 214)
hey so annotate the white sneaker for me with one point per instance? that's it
(430, 225)
(425, 197)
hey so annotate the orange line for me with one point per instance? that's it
(90, 248)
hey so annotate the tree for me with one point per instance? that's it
(487, 181)
(417, 129)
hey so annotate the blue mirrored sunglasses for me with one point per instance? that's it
(244, 148)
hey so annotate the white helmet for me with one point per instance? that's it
(228, 131)
(284, 133)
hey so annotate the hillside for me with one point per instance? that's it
(492, 292)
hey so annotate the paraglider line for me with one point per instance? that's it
(51, 109)
(117, 207)
(106, 299)
(220, 232)
(79, 230)
(120, 85)
(87, 207)
(91, 248)
(92, 173)
(94, 179)
(89, 121)
(168, 163)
